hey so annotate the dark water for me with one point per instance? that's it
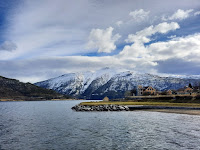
(53, 125)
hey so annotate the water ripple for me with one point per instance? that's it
(53, 125)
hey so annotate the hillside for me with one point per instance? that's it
(16, 90)
(111, 82)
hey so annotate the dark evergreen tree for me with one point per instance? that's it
(190, 85)
(134, 91)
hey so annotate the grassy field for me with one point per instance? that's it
(143, 103)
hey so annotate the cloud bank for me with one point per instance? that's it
(186, 50)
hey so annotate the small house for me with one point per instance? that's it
(145, 90)
(185, 90)
(169, 92)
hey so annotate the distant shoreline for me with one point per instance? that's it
(14, 100)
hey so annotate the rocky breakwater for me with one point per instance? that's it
(100, 108)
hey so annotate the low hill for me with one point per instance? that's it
(16, 90)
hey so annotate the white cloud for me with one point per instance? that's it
(143, 36)
(139, 15)
(197, 13)
(187, 48)
(178, 47)
(171, 37)
(103, 40)
(8, 46)
(119, 23)
(178, 15)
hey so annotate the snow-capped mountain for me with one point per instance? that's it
(111, 82)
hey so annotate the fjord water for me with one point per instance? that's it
(53, 125)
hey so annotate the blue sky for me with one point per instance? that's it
(44, 39)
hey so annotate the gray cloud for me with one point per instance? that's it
(178, 66)
(8, 46)
(34, 70)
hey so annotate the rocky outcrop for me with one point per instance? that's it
(100, 108)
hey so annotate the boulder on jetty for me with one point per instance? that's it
(100, 108)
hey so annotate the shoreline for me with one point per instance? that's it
(115, 107)
(175, 111)
(142, 104)
(110, 108)
(166, 107)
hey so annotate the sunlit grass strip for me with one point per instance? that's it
(143, 103)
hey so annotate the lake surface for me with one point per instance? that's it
(53, 125)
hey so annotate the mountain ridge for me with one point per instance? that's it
(110, 82)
